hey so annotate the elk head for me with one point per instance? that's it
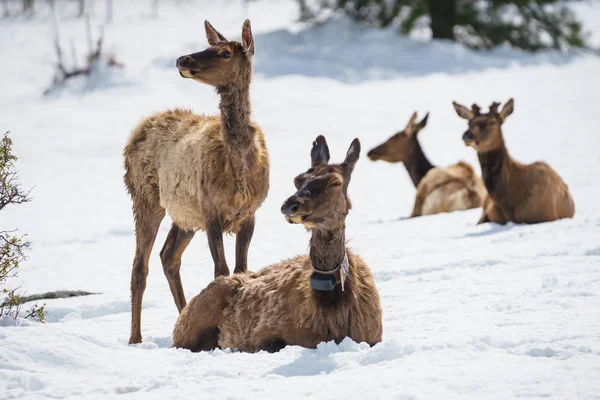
(484, 133)
(222, 63)
(321, 198)
(401, 146)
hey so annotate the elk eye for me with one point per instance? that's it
(226, 54)
(336, 184)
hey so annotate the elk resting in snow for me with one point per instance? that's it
(327, 295)
(516, 192)
(439, 189)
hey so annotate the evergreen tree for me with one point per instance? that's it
(480, 24)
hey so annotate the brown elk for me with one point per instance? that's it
(327, 295)
(516, 192)
(439, 189)
(210, 173)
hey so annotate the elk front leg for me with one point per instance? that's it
(214, 232)
(242, 243)
(492, 213)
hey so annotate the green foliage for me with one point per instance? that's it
(530, 25)
(12, 247)
(480, 24)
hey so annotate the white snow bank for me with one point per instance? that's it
(469, 311)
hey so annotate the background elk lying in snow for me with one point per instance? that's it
(209, 173)
(328, 295)
(439, 189)
(517, 192)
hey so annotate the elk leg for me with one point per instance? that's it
(493, 213)
(197, 327)
(170, 255)
(147, 221)
(242, 243)
(422, 193)
(214, 232)
(272, 346)
(484, 219)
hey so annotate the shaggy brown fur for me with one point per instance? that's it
(517, 192)
(276, 306)
(209, 173)
(446, 189)
(439, 189)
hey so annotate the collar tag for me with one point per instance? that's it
(345, 268)
(327, 280)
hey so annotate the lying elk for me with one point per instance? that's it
(439, 189)
(327, 295)
(210, 173)
(517, 192)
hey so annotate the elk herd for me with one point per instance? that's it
(211, 173)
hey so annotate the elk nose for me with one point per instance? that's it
(184, 61)
(371, 154)
(467, 136)
(290, 206)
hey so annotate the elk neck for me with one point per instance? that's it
(417, 164)
(328, 247)
(235, 111)
(495, 169)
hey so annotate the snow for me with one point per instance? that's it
(469, 311)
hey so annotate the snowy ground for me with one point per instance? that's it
(469, 311)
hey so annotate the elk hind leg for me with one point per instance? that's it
(197, 327)
(170, 255)
(147, 221)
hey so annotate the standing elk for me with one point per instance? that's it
(210, 173)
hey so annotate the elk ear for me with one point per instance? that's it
(352, 155)
(247, 39)
(319, 155)
(507, 109)
(463, 111)
(350, 161)
(417, 128)
(410, 127)
(212, 35)
(412, 120)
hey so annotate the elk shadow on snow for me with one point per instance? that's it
(309, 363)
(493, 229)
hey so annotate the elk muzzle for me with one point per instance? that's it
(468, 137)
(376, 153)
(289, 208)
(184, 62)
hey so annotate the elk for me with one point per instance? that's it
(327, 295)
(210, 173)
(517, 192)
(439, 189)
